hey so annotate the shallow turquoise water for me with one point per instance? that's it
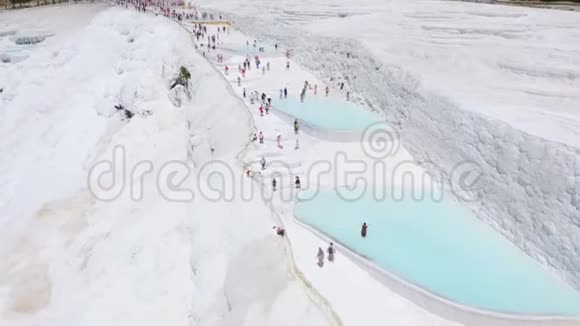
(327, 113)
(243, 49)
(442, 247)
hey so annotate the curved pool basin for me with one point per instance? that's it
(443, 248)
(327, 113)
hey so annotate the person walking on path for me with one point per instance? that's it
(279, 141)
(330, 252)
(296, 126)
(320, 257)
(297, 182)
(261, 137)
(363, 231)
(280, 231)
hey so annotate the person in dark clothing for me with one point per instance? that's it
(330, 252)
(280, 231)
(363, 231)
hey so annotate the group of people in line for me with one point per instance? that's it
(165, 9)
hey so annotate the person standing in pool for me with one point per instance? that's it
(363, 231)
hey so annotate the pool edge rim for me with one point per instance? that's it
(432, 301)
